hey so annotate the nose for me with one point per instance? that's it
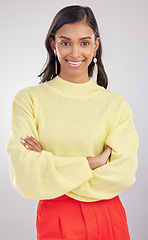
(75, 51)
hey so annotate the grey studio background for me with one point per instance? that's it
(124, 35)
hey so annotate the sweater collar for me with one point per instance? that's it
(71, 89)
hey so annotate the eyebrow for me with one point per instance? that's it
(70, 39)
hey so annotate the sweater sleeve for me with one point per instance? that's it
(119, 172)
(39, 175)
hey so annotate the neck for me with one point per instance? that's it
(74, 78)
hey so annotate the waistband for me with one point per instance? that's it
(65, 197)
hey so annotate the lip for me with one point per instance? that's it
(75, 63)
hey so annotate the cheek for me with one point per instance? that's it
(61, 55)
(62, 52)
(87, 51)
(89, 55)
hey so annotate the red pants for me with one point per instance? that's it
(64, 218)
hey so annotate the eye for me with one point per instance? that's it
(65, 43)
(85, 43)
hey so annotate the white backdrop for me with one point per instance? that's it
(124, 35)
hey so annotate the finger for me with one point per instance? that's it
(30, 148)
(109, 148)
(23, 142)
(26, 141)
(32, 143)
(35, 142)
(28, 145)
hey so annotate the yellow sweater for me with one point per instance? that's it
(71, 121)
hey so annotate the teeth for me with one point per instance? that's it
(75, 63)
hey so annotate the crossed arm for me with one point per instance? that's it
(38, 174)
(94, 162)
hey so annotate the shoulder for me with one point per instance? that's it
(112, 98)
(28, 97)
(119, 101)
(115, 104)
(30, 92)
(120, 108)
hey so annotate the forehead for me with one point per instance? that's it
(75, 30)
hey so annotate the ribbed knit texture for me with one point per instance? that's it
(71, 121)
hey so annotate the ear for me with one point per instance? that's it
(97, 42)
(52, 43)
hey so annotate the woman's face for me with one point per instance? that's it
(75, 45)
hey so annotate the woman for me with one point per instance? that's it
(73, 143)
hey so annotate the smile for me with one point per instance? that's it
(75, 64)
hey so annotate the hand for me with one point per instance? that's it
(31, 144)
(95, 162)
